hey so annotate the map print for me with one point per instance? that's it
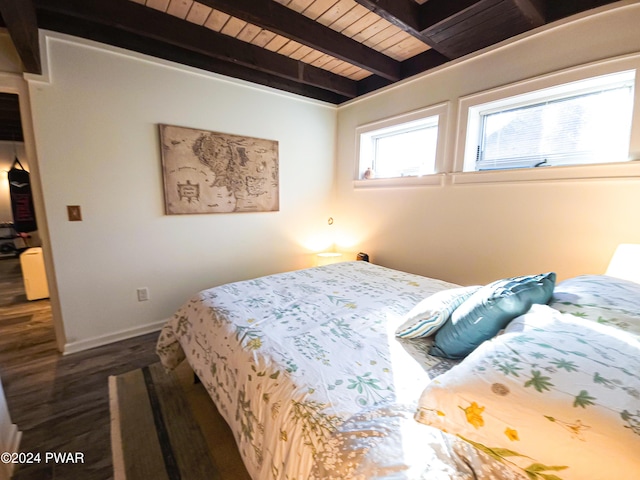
(210, 172)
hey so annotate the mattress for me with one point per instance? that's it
(307, 371)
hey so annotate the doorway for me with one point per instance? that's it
(20, 244)
(14, 89)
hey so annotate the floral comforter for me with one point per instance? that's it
(305, 368)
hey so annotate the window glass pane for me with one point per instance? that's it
(590, 127)
(406, 153)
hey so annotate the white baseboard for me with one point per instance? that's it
(13, 445)
(93, 342)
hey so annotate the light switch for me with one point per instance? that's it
(74, 213)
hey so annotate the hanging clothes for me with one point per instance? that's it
(24, 217)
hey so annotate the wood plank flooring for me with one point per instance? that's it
(60, 403)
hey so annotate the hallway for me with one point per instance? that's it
(31, 321)
(60, 403)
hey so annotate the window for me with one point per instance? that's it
(403, 147)
(405, 150)
(577, 123)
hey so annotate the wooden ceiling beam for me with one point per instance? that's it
(127, 16)
(284, 21)
(412, 66)
(477, 24)
(404, 14)
(420, 20)
(435, 12)
(533, 10)
(20, 19)
(556, 10)
(422, 62)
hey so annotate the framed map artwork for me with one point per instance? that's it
(211, 172)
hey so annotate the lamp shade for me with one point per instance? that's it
(327, 258)
(625, 262)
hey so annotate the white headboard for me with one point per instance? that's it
(625, 262)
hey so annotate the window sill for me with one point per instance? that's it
(436, 179)
(542, 174)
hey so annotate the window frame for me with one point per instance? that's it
(469, 124)
(441, 110)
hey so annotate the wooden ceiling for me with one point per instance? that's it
(332, 50)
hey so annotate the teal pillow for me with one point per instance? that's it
(488, 311)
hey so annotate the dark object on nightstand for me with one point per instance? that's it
(362, 257)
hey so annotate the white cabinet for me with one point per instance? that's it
(33, 273)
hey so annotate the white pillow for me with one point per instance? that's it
(431, 313)
(555, 396)
(601, 298)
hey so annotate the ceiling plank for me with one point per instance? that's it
(20, 19)
(284, 21)
(140, 20)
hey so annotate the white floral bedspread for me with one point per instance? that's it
(290, 358)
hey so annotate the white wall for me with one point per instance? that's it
(95, 118)
(477, 233)
(9, 436)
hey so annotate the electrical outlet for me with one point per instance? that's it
(143, 294)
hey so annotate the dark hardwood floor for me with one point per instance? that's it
(60, 403)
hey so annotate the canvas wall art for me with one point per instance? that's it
(212, 172)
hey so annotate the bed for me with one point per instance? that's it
(354, 370)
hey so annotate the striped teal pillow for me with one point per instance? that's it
(432, 312)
